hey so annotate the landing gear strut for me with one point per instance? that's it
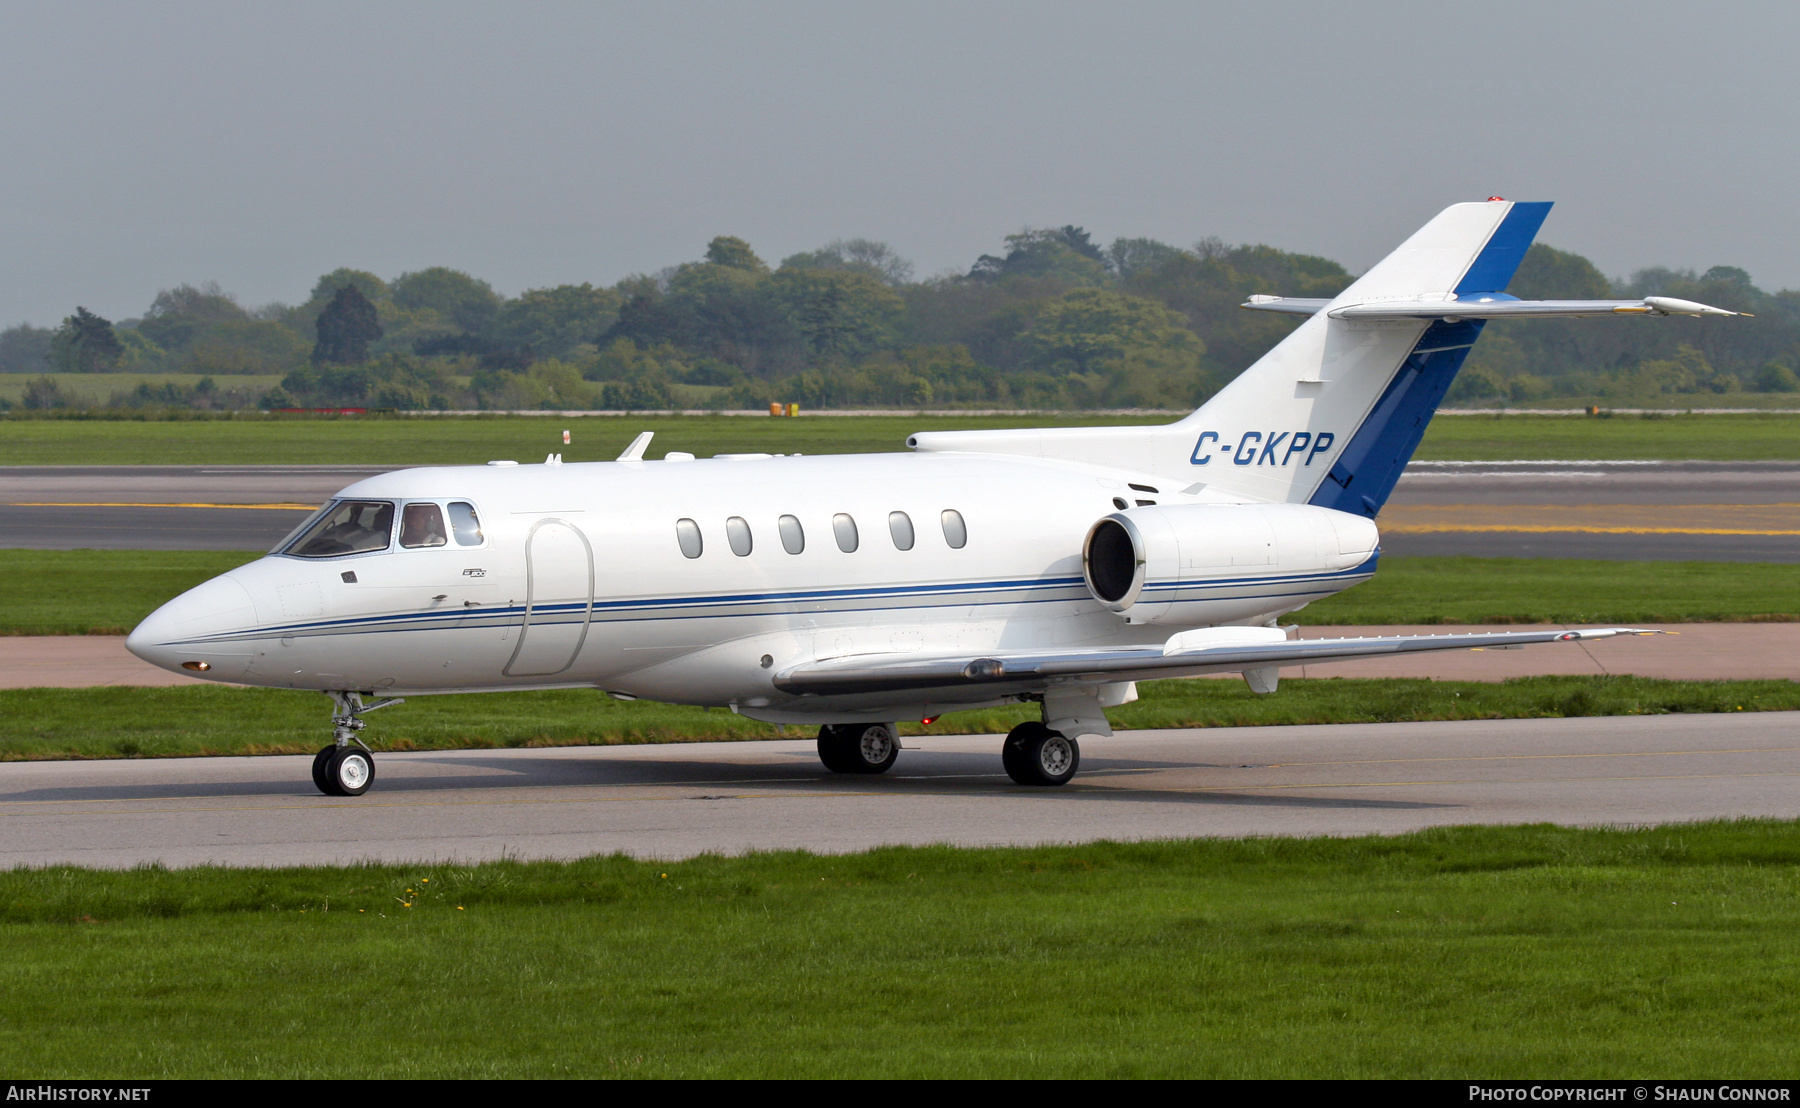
(858, 747)
(1036, 755)
(347, 766)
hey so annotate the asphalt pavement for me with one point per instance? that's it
(162, 507)
(1626, 510)
(1710, 511)
(676, 801)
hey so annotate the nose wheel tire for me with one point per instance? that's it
(347, 770)
(321, 763)
(1036, 755)
(858, 747)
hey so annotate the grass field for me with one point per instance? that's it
(100, 592)
(1563, 590)
(81, 592)
(1525, 952)
(476, 439)
(124, 722)
(1667, 437)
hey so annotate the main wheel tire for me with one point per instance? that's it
(321, 777)
(349, 771)
(834, 749)
(1036, 755)
(874, 748)
(858, 747)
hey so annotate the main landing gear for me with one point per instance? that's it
(858, 747)
(1036, 755)
(1033, 754)
(347, 766)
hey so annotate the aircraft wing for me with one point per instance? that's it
(1486, 307)
(866, 673)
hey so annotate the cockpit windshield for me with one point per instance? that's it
(346, 527)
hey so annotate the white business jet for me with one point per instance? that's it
(982, 568)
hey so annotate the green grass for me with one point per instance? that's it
(100, 592)
(1563, 590)
(128, 722)
(461, 440)
(474, 439)
(79, 592)
(1725, 438)
(1523, 952)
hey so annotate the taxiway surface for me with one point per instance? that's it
(677, 801)
(1713, 511)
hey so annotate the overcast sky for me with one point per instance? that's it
(261, 145)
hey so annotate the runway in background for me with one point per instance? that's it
(162, 507)
(1660, 511)
(1650, 511)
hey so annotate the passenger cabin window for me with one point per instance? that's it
(955, 533)
(793, 538)
(347, 527)
(900, 526)
(464, 523)
(737, 533)
(845, 529)
(422, 525)
(687, 533)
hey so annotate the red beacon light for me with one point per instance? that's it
(1502, 199)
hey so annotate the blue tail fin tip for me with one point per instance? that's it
(1494, 267)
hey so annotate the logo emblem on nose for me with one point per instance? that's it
(474, 573)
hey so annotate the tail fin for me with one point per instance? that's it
(1331, 415)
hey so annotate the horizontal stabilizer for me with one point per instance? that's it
(1286, 305)
(1488, 306)
(1030, 670)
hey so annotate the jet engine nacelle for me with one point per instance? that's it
(1185, 563)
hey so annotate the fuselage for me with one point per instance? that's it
(697, 581)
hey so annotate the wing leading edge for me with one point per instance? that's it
(1025, 671)
(1484, 306)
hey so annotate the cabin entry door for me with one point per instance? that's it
(559, 599)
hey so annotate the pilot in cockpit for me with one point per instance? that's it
(422, 525)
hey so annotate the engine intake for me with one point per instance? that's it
(1161, 563)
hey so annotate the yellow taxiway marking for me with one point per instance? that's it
(1597, 519)
(142, 504)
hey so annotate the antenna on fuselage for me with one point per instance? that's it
(635, 452)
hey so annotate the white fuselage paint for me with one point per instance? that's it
(516, 612)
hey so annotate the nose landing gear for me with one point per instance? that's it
(347, 766)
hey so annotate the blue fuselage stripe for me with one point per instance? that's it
(975, 594)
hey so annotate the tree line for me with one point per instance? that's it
(1052, 320)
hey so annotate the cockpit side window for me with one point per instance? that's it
(422, 525)
(346, 527)
(465, 524)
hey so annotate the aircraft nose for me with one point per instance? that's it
(179, 635)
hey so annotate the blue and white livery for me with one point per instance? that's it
(1055, 566)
